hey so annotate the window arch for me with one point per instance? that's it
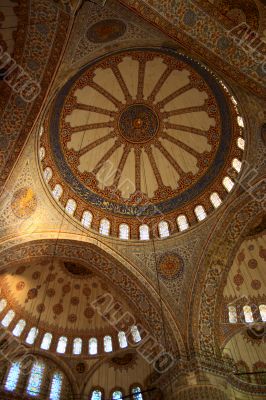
(46, 341)
(232, 315)
(93, 346)
(3, 304)
(71, 206)
(17, 331)
(57, 191)
(228, 183)
(32, 335)
(236, 164)
(136, 391)
(56, 386)
(35, 379)
(6, 321)
(215, 199)
(135, 334)
(62, 344)
(41, 153)
(182, 222)
(124, 231)
(200, 212)
(248, 314)
(107, 343)
(77, 346)
(163, 228)
(13, 376)
(96, 395)
(241, 143)
(86, 219)
(262, 309)
(144, 232)
(122, 340)
(117, 395)
(47, 174)
(104, 227)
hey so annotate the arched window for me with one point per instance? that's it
(32, 335)
(96, 395)
(104, 227)
(122, 340)
(71, 206)
(41, 131)
(248, 314)
(117, 395)
(163, 227)
(182, 223)
(57, 192)
(228, 183)
(93, 346)
(144, 232)
(236, 164)
(41, 153)
(200, 213)
(241, 143)
(86, 219)
(135, 334)
(240, 121)
(47, 174)
(77, 346)
(124, 231)
(232, 315)
(3, 304)
(46, 341)
(215, 199)
(56, 386)
(62, 344)
(13, 376)
(136, 391)
(262, 309)
(17, 331)
(8, 318)
(107, 344)
(35, 380)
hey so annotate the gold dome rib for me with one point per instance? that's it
(141, 76)
(180, 144)
(99, 110)
(122, 83)
(184, 128)
(175, 94)
(121, 165)
(105, 157)
(160, 83)
(96, 125)
(169, 158)
(106, 94)
(180, 111)
(94, 144)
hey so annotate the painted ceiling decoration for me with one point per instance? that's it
(9, 12)
(141, 133)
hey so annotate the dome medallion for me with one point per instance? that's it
(141, 133)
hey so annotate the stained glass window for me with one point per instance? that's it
(228, 183)
(200, 213)
(182, 222)
(232, 314)
(17, 331)
(248, 314)
(71, 206)
(241, 143)
(144, 232)
(32, 335)
(137, 393)
(93, 346)
(135, 334)
(62, 344)
(163, 229)
(107, 343)
(236, 164)
(56, 386)
(47, 173)
(8, 318)
(104, 227)
(96, 395)
(215, 200)
(262, 309)
(122, 340)
(117, 395)
(3, 304)
(13, 376)
(77, 346)
(35, 380)
(57, 192)
(46, 341)
(86, 219)
(124, 231)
